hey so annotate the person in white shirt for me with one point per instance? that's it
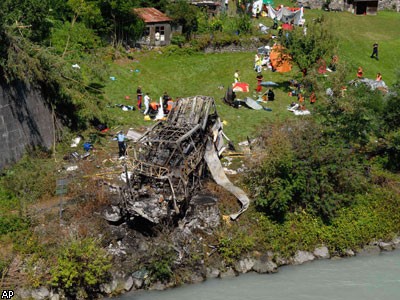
(146, 103)
(236, 75)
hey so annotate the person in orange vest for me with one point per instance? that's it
(360, 72)
(378, 77)
(153, 107)
(170, 103)
(313, 97)
(300, 98)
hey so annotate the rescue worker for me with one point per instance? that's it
(146, 103)
(121, 144)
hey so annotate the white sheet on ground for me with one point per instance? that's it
(252, 103)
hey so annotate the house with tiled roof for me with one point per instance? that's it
(157, 30)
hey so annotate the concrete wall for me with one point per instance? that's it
(343, 4)
(389, 4)
(25, 121)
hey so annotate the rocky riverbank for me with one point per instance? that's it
(184, 255)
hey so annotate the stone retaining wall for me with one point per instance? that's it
(341, 5)
(25, 121)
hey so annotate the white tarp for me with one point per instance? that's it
(286, 15)
(257, 7)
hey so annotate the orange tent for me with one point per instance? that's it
(279, 60)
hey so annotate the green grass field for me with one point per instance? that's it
(203, 74)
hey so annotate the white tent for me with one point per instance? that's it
(286, 15)
(257, 7)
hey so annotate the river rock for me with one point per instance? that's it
(265, 266)
(302, 256)
(369, 250)
(349, 252)
(54, 297)
(24, 293)
(128, 283)
(321, 253)
(212, 273)
(196, 278)
(109, 287)
(282, 261)
(245, 265)
(396, 243)
(137, 283)
(158, 286)
(40, 293)
(385, 246)
(228, 273)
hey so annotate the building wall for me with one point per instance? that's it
(151, 40)
(25, 121)
(389, 4)
(344, 4)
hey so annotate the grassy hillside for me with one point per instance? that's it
(200, 74)
(203, 74)
(356, 36)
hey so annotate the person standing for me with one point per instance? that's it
(121, 144)
(313, 97)
(259, 80)
(236, 76)
(375, 51)
(146, 103)
(139, 97)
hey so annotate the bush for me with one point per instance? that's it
(235, 243)
(80, 264)
(11, 223)
(302, 169)
(178, 40)
(160, 264)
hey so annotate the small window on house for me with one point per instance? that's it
(160, 33)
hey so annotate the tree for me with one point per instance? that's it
(121, 23)
(307, 49)
(29, 18)
(184, 14)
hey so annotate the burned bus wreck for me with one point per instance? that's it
(169, 162)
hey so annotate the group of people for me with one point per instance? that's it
(360, 74)
(374, 54)
(151, 107)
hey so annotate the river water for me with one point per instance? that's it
(356, 278)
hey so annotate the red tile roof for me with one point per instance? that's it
(151, 15)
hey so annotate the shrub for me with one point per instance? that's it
(80, 264)
(302, 169)
(178, 40)
(11, 223)
(233, 244)
(160, 264)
